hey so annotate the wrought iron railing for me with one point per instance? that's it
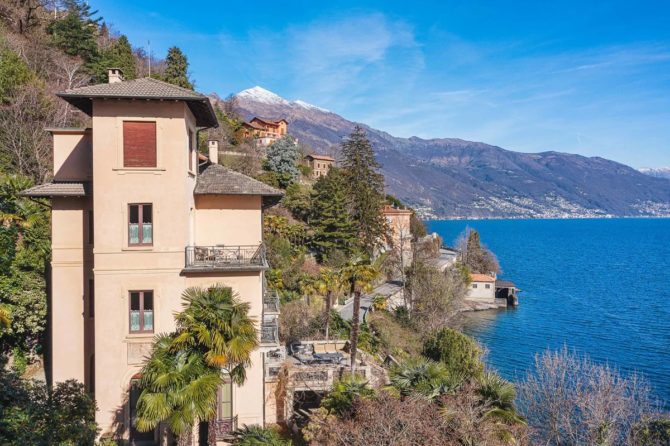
(223, 428)
(225, 256)
(270, 302)
(269, 333)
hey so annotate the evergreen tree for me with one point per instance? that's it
(365, 189)
(176, 69)
(283, 157)
(118, 55)
(76, 33)
(476, 256)
(333, 227)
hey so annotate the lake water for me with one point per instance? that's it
(601, 287)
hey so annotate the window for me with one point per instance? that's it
(474, 285)
(91, 298)
(190, 150)
(224, 401)
(487, 286)
(140, 225)
(139, 144)
(141, 311)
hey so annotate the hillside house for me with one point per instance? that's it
(482, 288)
(138, 216)
(400, 241)
(320, 164)
(265, 130)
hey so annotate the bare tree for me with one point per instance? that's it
(570, 400)
(23, 141)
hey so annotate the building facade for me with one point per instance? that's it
(400, 242)
(482, 288)
(138, 216)
(265, 130)
(320, 164)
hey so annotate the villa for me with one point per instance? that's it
(265, 130)
(320, 164)
(138, 216)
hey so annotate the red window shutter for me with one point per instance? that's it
(139, 144)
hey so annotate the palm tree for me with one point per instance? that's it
(499, 394)
(217, 323)
(424, 377)
(178, 387)
(256, 435)
(360, 275)
(344, 393)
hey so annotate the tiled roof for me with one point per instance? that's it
(481, 278)
(144, 88)
(320, 157)
(273, 121)
(253, 125)
(219, 180)
(57, 189)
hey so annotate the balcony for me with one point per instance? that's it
(269, 332)
(223, 428)
(270, 302)
(205, 259)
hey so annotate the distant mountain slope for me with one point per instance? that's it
(455, 178)
(660, 172)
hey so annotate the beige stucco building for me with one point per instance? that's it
(320, 164)
(137, 217)
(482, 288)
(400, 236)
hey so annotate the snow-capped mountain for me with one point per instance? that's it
(659, 172)
(260, 94)
(450, 177)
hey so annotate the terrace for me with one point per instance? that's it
(204, 259)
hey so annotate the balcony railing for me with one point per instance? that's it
(269, 333)
(270, 302)
(223, 428)
(222, 257)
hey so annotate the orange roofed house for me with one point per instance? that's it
(320, 164)
(265, 130)
(137, 217)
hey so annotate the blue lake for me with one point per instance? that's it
(600, 287)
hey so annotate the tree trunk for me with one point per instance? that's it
(354, 329)
(326, 315)
(185, 438)
(211, 432)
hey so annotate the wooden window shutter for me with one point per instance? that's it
(139, 144)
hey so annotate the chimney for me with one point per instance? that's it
(114, 75)
(213, 147)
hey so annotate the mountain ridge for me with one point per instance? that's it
(456, 178)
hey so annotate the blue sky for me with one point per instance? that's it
(589, 77)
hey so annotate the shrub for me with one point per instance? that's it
(458, 352)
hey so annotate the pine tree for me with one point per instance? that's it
(118, 55)
(333, 228)
(365, 190)
(176, 69)
(76, 33)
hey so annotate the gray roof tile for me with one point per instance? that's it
(57, 189)
(219, 180)
(144, 88)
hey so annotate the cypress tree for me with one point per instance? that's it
(365, 190)
(333, 228)
(176, 69)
